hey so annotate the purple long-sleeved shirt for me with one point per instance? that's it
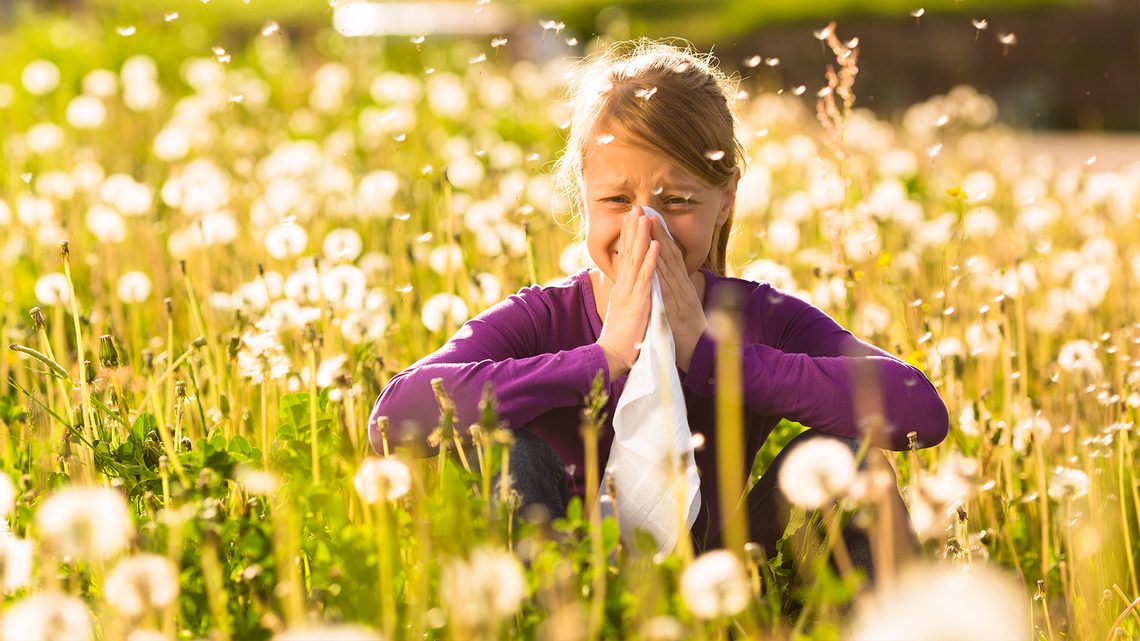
(538, 348)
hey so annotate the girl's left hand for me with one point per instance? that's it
(682, 303)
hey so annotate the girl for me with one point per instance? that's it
(653, 126)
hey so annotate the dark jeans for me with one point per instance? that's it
(540, 478)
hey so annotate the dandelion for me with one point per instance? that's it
(141, 583)
(52, 289)
(445, 258)
(40, 77)
(437, 309)
(490, 584)
(1037, 427)
(913, 607)
(1007, 40)
(15, 562)
(382, 478)
(86, 112)
(816, 472)
(1068, 484)
(1079, 356)
(85, 522)
(551, 25)
(286, 241)
(47, 616)
(262, 357)
(255, 481)
(662, 628)
(343, 285)
(715, 585)
(341, 632)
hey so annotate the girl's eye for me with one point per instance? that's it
(677, 200)
(613, 199)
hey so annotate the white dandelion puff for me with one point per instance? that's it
(816, 472)
(40, 77)
(47, 616)
(52, 289)
(715, 585)
(134, 287)
(489, 585)
(1068, 484)
(85, 522)
(141, 583)
(286, 241)
(382, 478)
(439, 307)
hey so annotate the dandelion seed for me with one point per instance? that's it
(220, 54)
(942, 120)
(771, 62)
(125, 31)
(170, 17)
(918, 13)
(571, 41)
(417, 40)
(477, 59)
(270, 28)
(498, 42)
(382, 478)
(822, 34)
(400, 137)
(605, 139)
(714, 154)
(1007, 40)
(980, 25)
(551, 25)
(26, 177)
(141, 583)
(799, 90)
(852, 43)
(715, 585)
(934, 151)
(754, 61)
(237, 98)
(1090, 161)
(645, 93)
(824, 92)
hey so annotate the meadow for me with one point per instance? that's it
(213, 256)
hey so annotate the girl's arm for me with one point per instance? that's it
(497, 346)
(804, 369)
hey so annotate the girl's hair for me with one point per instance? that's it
(669, 98)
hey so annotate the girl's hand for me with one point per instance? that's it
(627, 313)
(682, 303)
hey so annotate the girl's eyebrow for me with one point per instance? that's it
(664, 185)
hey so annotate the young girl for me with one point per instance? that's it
(653, 126)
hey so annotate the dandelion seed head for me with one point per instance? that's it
(47, 616)
(980, 24)
(816, 471)
(85, 523)
(140, 584)
(487, 586)
(1007, 39)
(918, 13)
(715, 585)
(385, 478)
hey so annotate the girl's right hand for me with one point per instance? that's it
(627, 313)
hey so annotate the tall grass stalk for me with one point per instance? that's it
(87, 455)
(593, 417)
(725, 323)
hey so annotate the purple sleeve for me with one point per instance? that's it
(499, 345)
(803, 367)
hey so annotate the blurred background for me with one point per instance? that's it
(1072, 64)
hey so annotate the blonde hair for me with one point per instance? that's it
(670, 98)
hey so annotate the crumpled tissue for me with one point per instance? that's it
(651, 433)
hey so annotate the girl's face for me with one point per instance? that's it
(620, 174)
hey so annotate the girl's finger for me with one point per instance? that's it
(650, 263)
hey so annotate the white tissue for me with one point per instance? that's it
(651, 431)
